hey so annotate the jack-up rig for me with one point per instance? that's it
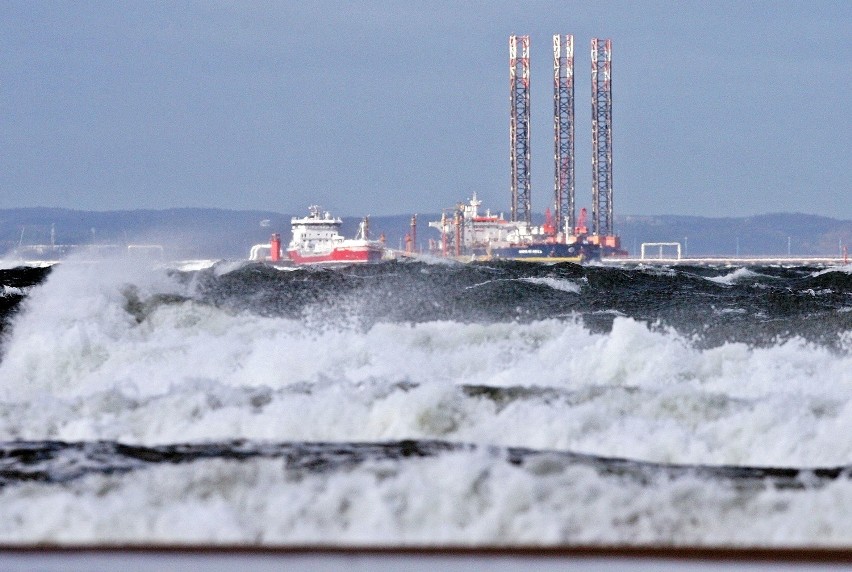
(465, 233)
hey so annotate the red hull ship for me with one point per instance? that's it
(317, 240)
(340, 254)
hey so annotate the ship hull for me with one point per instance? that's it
(548, 252)
(343, 255)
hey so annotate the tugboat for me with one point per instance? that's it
(317, 240)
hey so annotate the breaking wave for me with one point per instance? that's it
(539, 388)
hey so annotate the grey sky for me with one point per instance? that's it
(720, 108)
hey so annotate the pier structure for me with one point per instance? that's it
(519, 127)
(563, 133)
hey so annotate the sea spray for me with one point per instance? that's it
(699, 366)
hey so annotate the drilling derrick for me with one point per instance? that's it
(519, 126)
(602, 140)
(563, 132)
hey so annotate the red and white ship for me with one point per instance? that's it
(317, 240)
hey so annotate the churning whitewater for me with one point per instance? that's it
(426, 403)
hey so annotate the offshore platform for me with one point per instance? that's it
(564, 235)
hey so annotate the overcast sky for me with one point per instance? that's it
(720, 108)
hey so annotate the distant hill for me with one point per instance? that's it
(213, 233)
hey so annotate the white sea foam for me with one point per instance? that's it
(7, 263)
(656, 269)
(432, 260)
(735, 277)
(847, 268)
(13, 291)
(79, 366)
(550, 281)
(192, 265)
(555, 283)
(727, 311)
(453, 499)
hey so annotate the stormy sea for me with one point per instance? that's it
(425, 403)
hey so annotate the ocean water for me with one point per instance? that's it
(426, 403)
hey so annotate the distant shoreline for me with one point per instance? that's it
(205, 233)
(724, 260)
